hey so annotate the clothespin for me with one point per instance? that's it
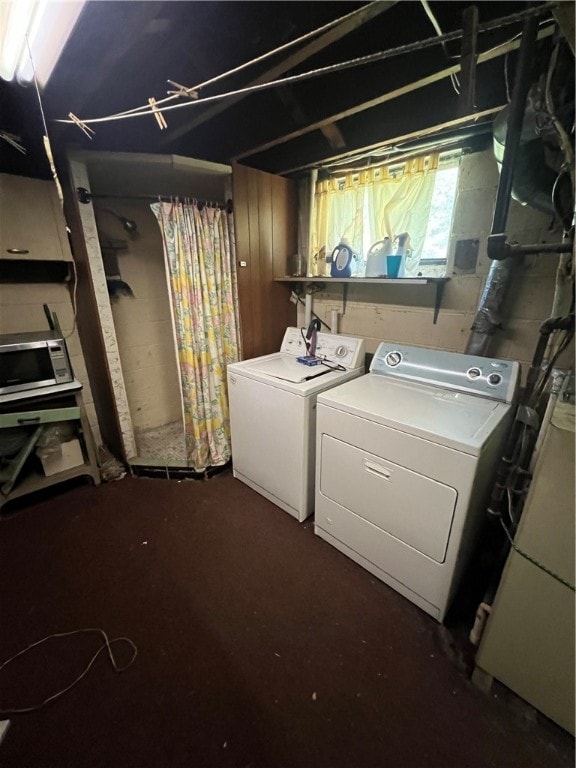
(182, 90)
(83, 127)
(157, 114)
(13, 140)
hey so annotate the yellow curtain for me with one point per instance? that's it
(199, 246)
(339, 207)
(365, 207)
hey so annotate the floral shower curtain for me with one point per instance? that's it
(199, 247)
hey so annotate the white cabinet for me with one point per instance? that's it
(32, 224)
(529, 639)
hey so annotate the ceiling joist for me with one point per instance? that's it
(493, 53)
(349, 24)
(381, 146)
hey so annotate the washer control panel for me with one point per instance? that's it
(496, 379)
(331, 347)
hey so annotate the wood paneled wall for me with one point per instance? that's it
(266, 222)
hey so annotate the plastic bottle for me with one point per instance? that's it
(340, 260)
(376, 260)
(395, 262)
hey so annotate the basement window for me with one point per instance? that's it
(363, 208)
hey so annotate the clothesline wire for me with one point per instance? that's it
(359, 61)
(250, 63)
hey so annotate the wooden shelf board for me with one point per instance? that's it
(35, 481)
(364, 280)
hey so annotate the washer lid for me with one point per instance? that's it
(453, 419)
(284, 371)
(287, 367)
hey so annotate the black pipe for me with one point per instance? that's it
(499, 248)
(515, 120)
(487, 319)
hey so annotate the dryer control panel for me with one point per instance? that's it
(496, 379)
(330, 347)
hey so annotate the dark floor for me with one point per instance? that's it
(259, 645)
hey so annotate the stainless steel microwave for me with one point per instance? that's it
(32, 361)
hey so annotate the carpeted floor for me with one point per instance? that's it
(259, 645)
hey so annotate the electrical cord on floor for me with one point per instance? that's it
(107, 644)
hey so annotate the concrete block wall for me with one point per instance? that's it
(143, 324)
(405, 313)
(21, 310)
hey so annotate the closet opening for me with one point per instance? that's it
(131, 282)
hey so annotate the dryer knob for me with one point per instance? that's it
(340, 351)
(393, 359)
(494, 379)
(473, 373)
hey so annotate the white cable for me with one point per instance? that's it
(453, 78)
(359, 61)
(146, 111)
(107, 644)
(250, 63)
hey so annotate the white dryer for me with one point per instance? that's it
(273, 415)
(406, 460)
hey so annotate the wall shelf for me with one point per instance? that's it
(439, 282)
(365, 280)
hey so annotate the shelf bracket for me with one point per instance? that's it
(438, 301)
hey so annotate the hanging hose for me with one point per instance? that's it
(546, 329)
(513, 467)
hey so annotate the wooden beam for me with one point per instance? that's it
(331, 133)
(396, 93)
(331, 36)
(432, 130)
(334, 136)
(564, 15)
(468, 58)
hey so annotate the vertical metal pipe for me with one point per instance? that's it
(334, 315)
(308, 310)
(487, 318)
(515, 120)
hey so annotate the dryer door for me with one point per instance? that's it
(406, 505)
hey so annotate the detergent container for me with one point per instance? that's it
(395, 261)
(376, 259)
(341, 261)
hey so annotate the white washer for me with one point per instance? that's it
(406, 460)
(273, 415)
